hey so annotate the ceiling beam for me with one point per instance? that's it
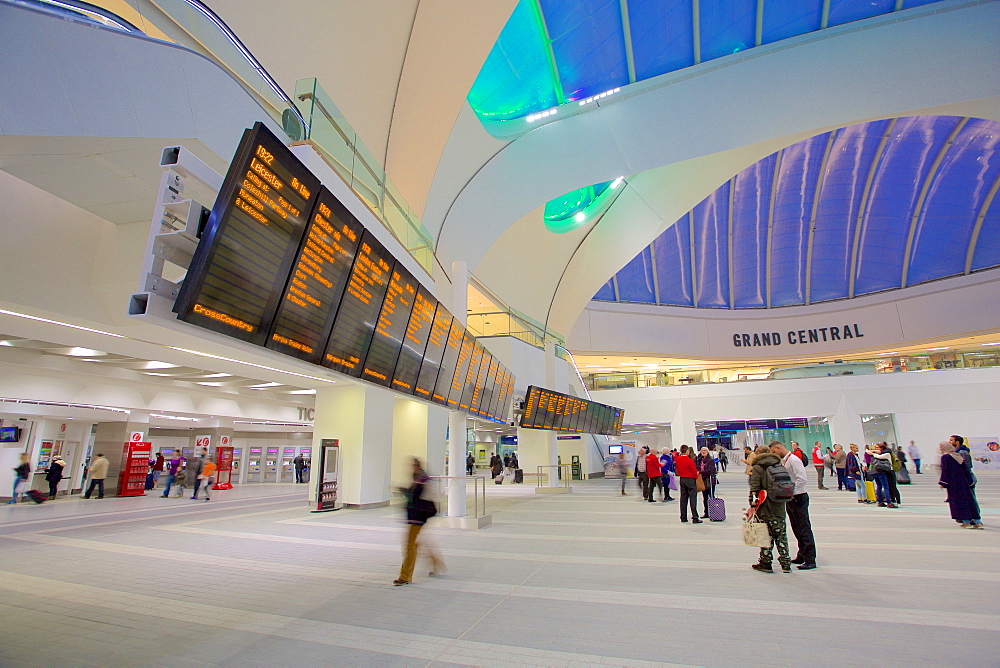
(627, 35)
(824, 20)
(812, 215)
(758, 31)
(974, 238)
(694, 272)
(729, 250)
(864, 204)
(770, 225)
(922, 198)
(550, 54)
(696, 30)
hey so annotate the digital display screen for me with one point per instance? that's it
(545, 409)
(390, 328)
(319, 274)
(415, 339)
(239, 270)
(762, 424)
(359, 309)
(469, 385)
(432, 363)
(460, 368)
(284, 264)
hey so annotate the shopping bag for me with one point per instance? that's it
(755, 533)
(672, 482)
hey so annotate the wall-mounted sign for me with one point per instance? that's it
(762, 424)
(798, 336)
(137, 437)
(224, 440)
(203, 441)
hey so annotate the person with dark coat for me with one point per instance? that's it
(705, 463)
(770, 512)
(22, 473)
(300, 466)
(958, 481)
(418, 511)
(470, 464)
(54, 474)
(496, 466)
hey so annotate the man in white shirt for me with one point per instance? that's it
(797, 508)
(914, 453)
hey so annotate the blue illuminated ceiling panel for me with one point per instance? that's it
(554, 52)
(866, 208)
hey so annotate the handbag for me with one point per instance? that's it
(20, 486)
(755, 533)
(671, 482)
(881, 466)
(700, 484)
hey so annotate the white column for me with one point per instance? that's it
(551, 443)
(457, 445)
(845, 426)
(682, 429)
(358, 417)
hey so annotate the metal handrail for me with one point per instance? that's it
(564, 477)
(442, 492)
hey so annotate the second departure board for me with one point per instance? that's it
(283, 263)
(545, 409)
(319, 275)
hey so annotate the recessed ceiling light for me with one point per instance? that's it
(985, 344)
(932, 349)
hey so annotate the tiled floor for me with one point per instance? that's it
(590, 578)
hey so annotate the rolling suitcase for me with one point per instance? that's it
(150, 483)
(499, 479)
(902, 477)
(518, 475)
(36, 496)
(851, 484)
(716, 510)
(869, 490)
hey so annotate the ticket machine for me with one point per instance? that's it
(271, 464)
(306, 455)
(237, 469)
(287, 465)
(255, 465)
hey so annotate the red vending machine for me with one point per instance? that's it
(135, 464)
(224, 477)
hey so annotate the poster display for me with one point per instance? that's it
(224, 461)
(985, 452)
(132, 473)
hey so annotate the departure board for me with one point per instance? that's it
(469, 384)
(430, 365)
(284, 264)
(390, 328)
(461, 370)
(359, 309)
(418, 329)
(545, 409)
(319, 275)
(241, 265)
(449, 362)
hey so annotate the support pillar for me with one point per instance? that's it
(409, 439)
(457, 443)
(357, 416)
(682, 429)
(845, 426)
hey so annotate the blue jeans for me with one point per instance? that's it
(170, 481)
(881, 488)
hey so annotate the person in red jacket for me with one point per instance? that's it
(818, 463)
(687, 474)
(653, 476)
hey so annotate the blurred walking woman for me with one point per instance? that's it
(418, 511)
(957, 479)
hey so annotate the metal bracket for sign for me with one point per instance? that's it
(177, 223)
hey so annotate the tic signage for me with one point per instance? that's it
(137, 437)
(798, 336)
(203, 441)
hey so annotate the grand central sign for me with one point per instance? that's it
(799, 336)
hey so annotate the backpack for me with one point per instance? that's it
(802, 455)
(778, 483)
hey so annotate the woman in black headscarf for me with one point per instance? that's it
(957, 479)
